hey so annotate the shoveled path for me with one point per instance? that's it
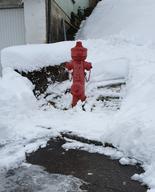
(100, 173)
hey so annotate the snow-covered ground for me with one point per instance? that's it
(120, 38)
(21, 116)
(34, 178)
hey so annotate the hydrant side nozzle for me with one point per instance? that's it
(69, 65)
(88, 66)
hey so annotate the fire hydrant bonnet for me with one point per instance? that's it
(79, 52)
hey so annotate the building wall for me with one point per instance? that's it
(35, 21)
(12, 29)
(61, 26)
(10, 3)
(68, 6)
(11, 22)
(6, 2)
(55, 23)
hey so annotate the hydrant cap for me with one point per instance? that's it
(79, 44)
(79, 52)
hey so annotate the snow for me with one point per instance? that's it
(34, 178)
(18, 127)
(131, 20)
(32, 57)
(130, 23)
(114, 153)
(120, 46)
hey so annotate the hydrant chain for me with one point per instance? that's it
(88, 79)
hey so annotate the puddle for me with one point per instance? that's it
(99, 172)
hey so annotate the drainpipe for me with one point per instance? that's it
(0, 70)
(48, 21)
(0, 66)
(64, 30)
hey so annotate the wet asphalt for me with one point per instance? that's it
(99, 172)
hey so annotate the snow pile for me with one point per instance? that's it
(19, 88)
(129, 19)
(108, 151)
(19, 125)
(17, 96)
(129, 23)
(133, 128)
(34, 57)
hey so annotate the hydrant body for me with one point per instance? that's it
(78, 65)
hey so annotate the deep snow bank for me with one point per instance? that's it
(19, 119)
(106, 65)
(129, 19)
(132, 130)
(131, 23)
(34, 57)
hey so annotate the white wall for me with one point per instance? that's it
(12, 27)
(35, 21)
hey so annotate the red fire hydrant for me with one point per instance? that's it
(78, 65)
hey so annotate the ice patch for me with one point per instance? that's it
(34, 178)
